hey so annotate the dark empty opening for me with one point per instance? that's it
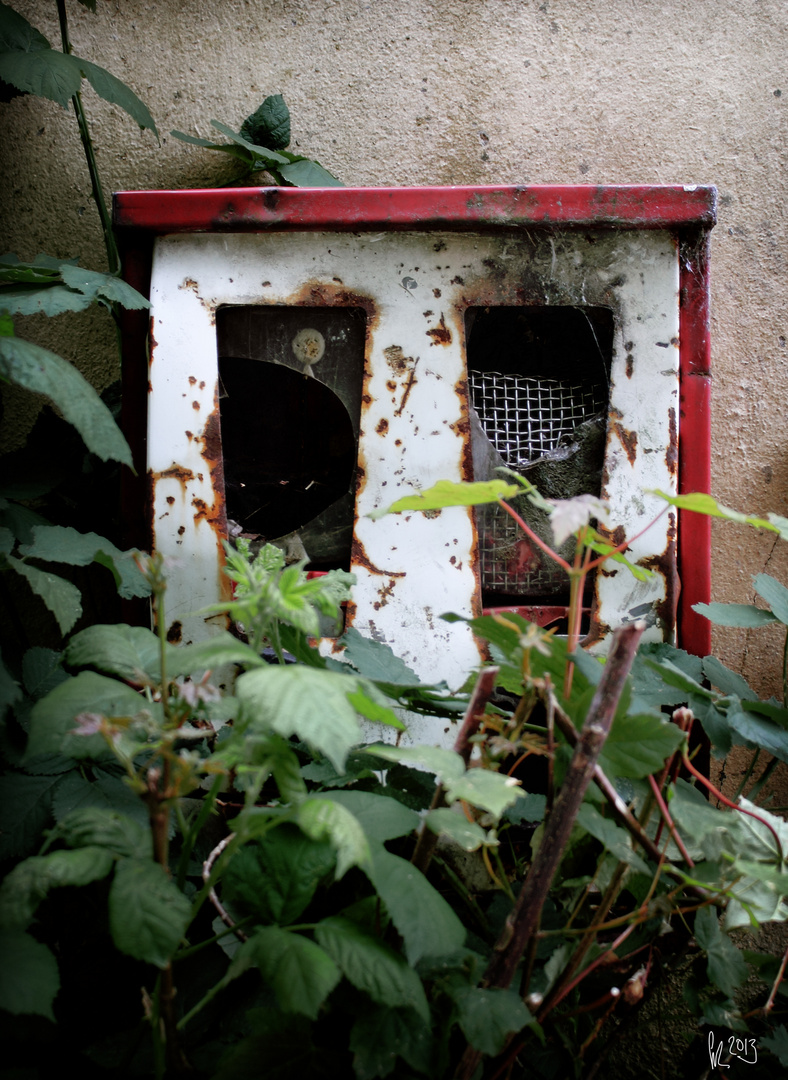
(290, 400)
(539, 387)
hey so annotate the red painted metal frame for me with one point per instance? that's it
(687, 211)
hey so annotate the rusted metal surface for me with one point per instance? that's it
(241, 209)
(416, 262)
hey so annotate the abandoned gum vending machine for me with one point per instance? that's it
(313, 355)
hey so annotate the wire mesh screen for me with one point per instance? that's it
(525, 417)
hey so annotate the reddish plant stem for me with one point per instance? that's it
(524, 917)
(663, 809)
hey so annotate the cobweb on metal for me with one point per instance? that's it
(525, 417)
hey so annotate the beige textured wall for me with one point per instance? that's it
(417, 92)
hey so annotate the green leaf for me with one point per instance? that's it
(729, 682)
(45, 72)
(269, 125)
(26, 811)
(296, 700)
(649, 688)
(325, 819)
(44, 372)
(371, 966)
(775, 594)
(726, 966)
(9, 690)
(377, 661)
(111, 89)
(284, 1042)
(757, 731)
(107, 792)
(301, 974)
(381, 1034)
(47, 299)
(57, 543)
(275, 878)
(531, 808)
(617, 840)
(61, 597)
(221, 648)
(467, 834)
(42, 671)
(381, 817)
(304, 172)
(701, 503)
(488, 790)
(374, 711)
(445, 764)
(29, 882)
(450, 493)
(16, 33)
(638, 745)
(102, 286)
(53, 717)
(746, 615)
(427, 924)
(777, 1044)
(130, 652)
(148, 915)
(105, 828)
(29, 978)
(261, 152)
(488, 1016)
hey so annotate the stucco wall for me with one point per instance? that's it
(415, 92)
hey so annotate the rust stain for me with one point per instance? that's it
(196, 406)
(175, 472)
(181, 530)
(629, 439)
(630, 365)
(359, 558)
(666, 566)
(170, 499)
(189, 435)
(397, 360)
(672, 455)
(384, 593)
(440, 334)
(188, 283)
(428, 314)
(175, 633)
(383, 426)
(192, 380)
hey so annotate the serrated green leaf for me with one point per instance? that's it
(374, 711)
(381, 817)
(427, 924)
(111, 89)
(617, 840)
(758, 731)
(10, 691)
(301, 974)
(275, 878)
(48, 300)
(26, 803)
(148, 915)
(487, 790)
(58, 543)
(29, 978)
(61, 597)
(377, 661)
(445, 764)
(637, 746)
(450, 493)
(45, 72)
(16, 33)
(381, 1034)
(774, 593)
(221, 648)
(308, 173)
(745, 615)
(269, 125)
(487, 1017)
(29, 882)
(371, 966)
(531, 808)
(726, 966)
(130, 652)
(261, 152)
(327, 820)
(52, 718)
(42, 671)
(467, 834)
(777, 1043)
(105, 828)
(729, 682)
(107, 792)
(42, 371)
(296, 700)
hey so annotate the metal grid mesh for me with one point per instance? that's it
(524, 417)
